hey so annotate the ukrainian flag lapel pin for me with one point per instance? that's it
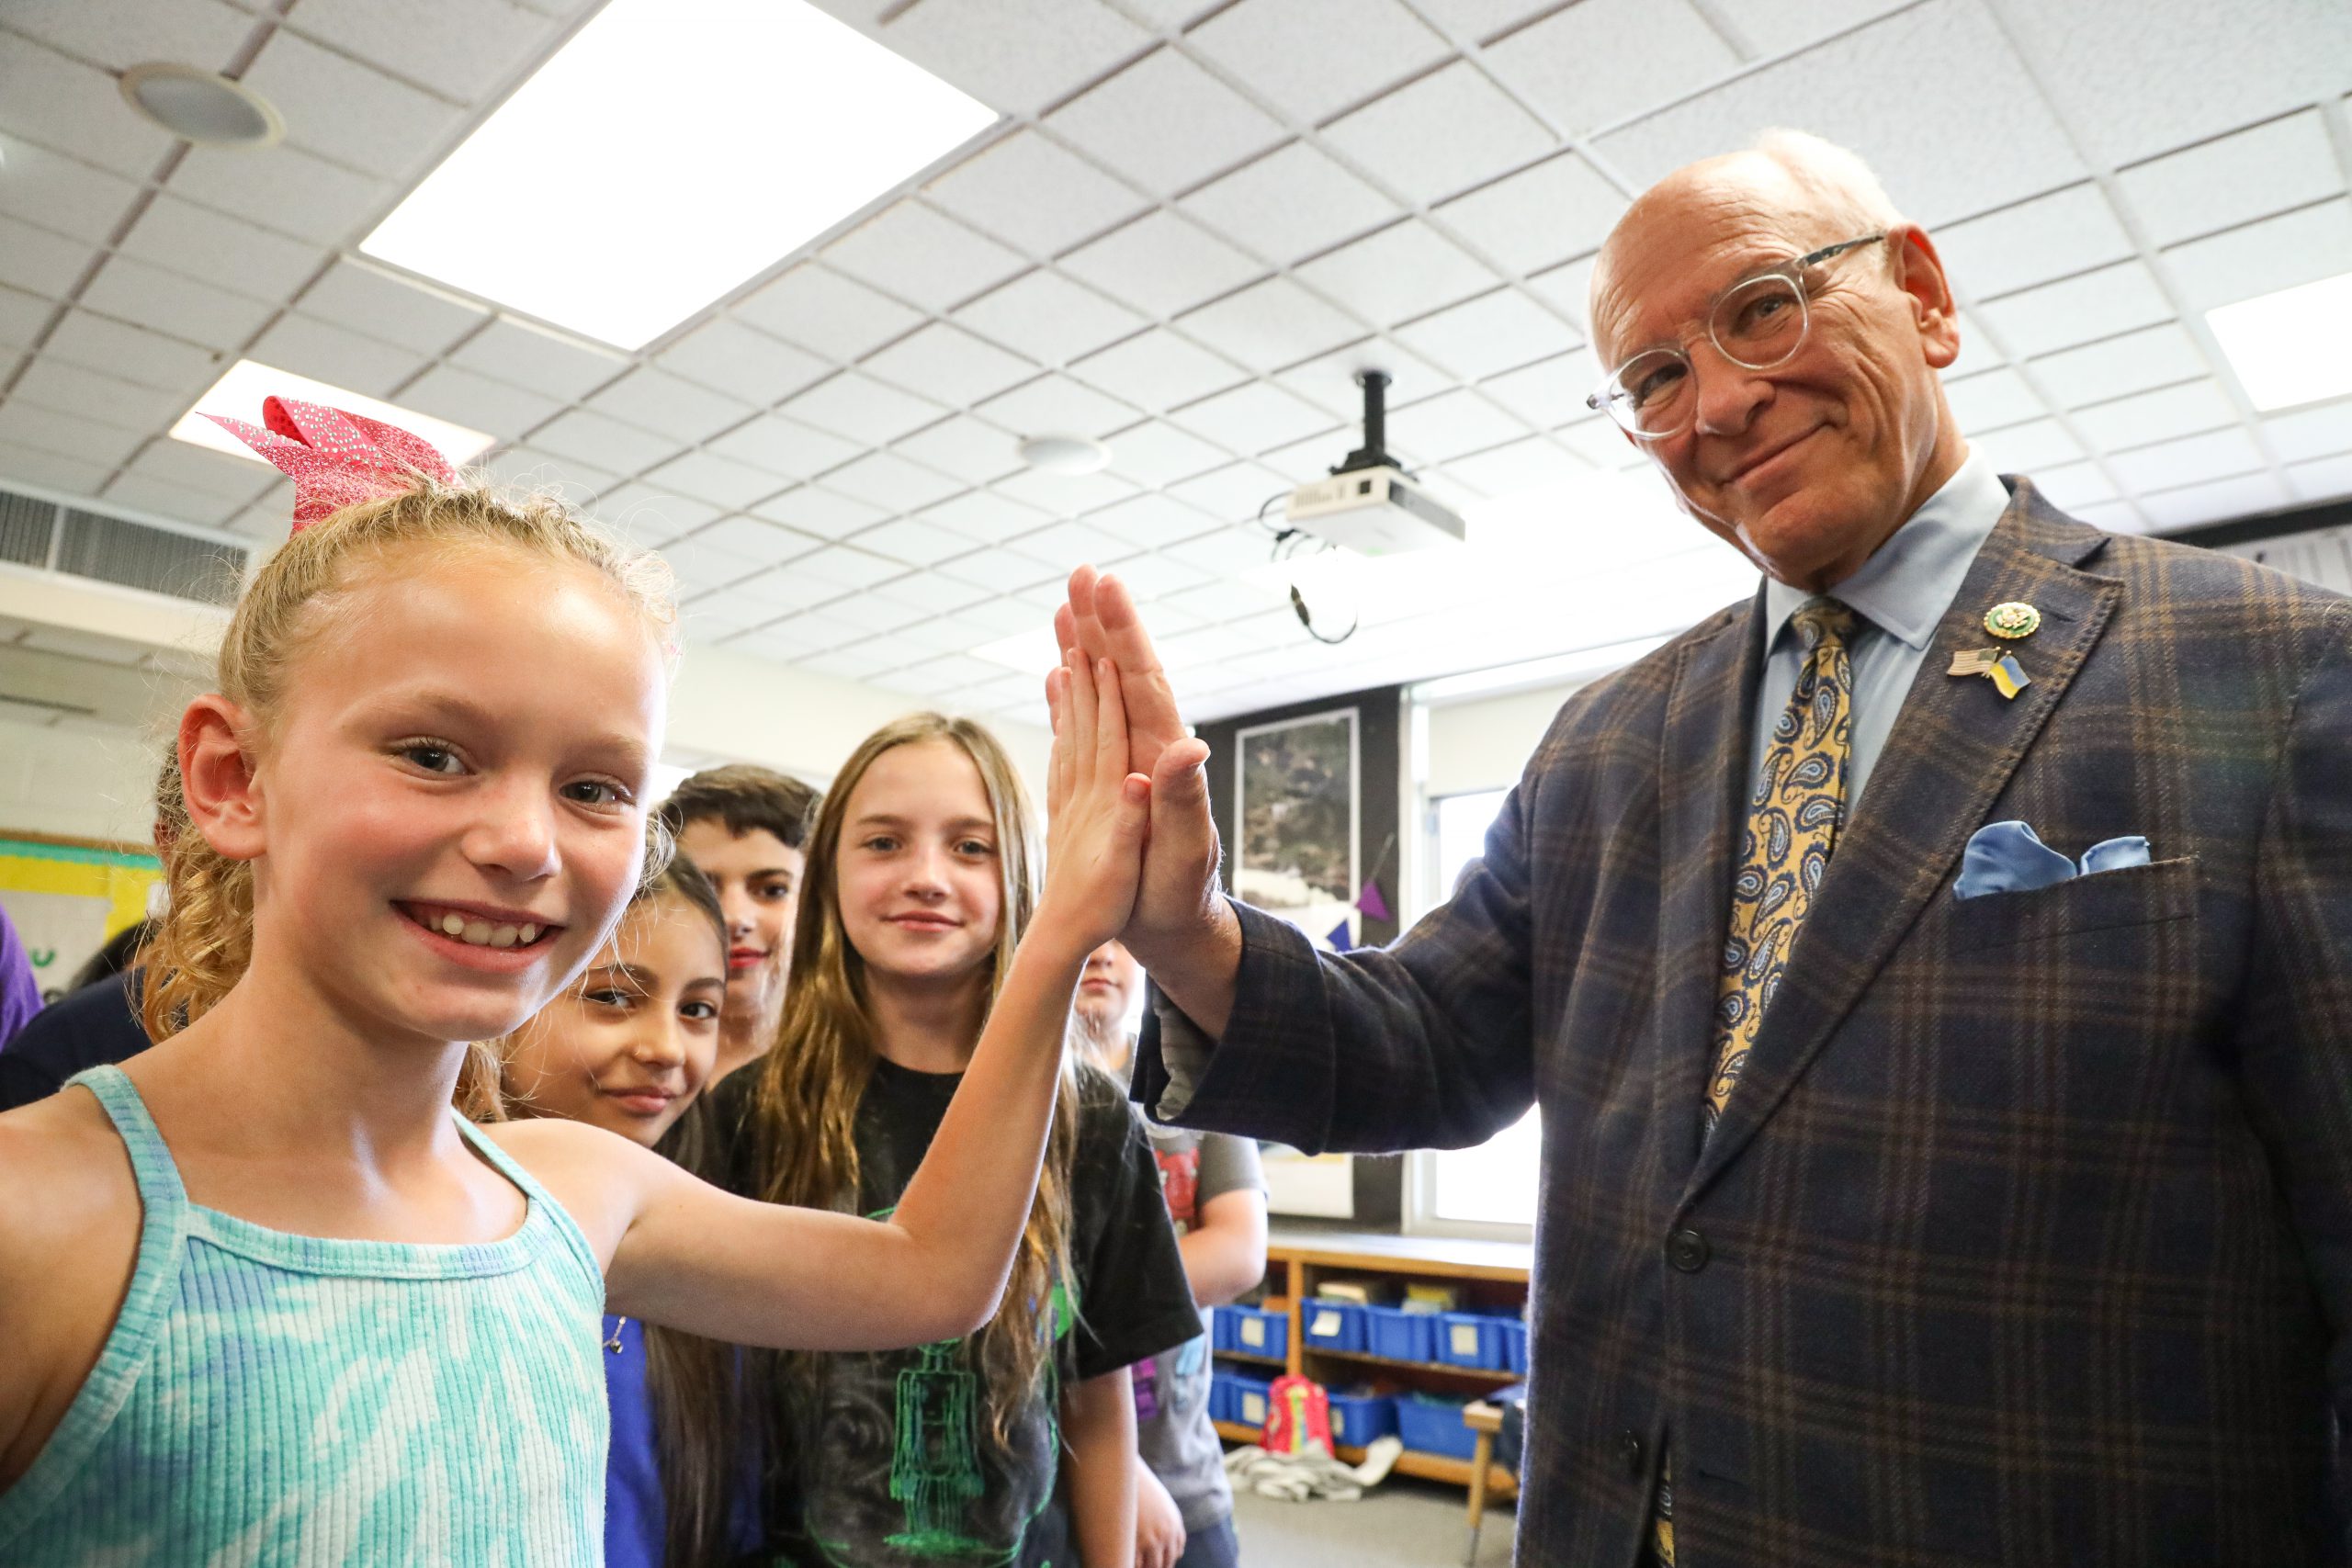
(2008, 622)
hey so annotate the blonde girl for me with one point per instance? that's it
(921, 882)
(265, 1298)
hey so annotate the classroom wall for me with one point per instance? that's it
(76, 785)
(1484, 743)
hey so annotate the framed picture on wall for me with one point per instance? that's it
(1298, 801)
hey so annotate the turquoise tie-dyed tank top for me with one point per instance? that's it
(275, 1399)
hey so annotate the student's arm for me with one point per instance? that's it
(1224, 1252)
(680, 1252)
(1159, 1524)
(1099, 1425)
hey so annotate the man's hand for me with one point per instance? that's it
(1160, 1527)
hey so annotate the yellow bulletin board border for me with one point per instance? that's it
(86, 868)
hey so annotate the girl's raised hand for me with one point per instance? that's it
(1097, 811)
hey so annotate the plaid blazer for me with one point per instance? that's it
(2026, 1235)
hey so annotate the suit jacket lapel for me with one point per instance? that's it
(1953, 747)
(1702, 808)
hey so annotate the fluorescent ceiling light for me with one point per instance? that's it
(671, 150)
(239, 395)
(2294, 346)
(1032, 652)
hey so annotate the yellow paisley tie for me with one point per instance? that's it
(1793, 819)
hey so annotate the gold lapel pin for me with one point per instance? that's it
(2012, 620)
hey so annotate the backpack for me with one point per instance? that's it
(1298, 1418)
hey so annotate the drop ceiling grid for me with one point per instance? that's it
(1774, 42)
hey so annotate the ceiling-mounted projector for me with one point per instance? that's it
(1368, 505)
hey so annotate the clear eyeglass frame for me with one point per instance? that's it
(1617, 396)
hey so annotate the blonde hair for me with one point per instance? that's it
(810, 1084)
(204, 942)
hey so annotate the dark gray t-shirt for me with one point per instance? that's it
(1173, 1429)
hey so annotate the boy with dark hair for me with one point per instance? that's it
(744, 827)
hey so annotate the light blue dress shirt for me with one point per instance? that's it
(1901, 593)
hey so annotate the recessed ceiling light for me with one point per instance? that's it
(671, 151)
(1032, 652)
(2291, 347)
(239, 395)
(1066, 454)
(201, 106)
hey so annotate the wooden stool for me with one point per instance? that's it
(1485, 1420)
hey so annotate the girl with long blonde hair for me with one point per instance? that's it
(267, 1299)
(920, 885)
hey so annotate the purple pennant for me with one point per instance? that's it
(1374, 906)
(1339, 938)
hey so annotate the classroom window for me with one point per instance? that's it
(1461, 823)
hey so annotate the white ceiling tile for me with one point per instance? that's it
(1303, 462)
(2261, 258)
(939, 676)
(152, 359)
(949, 364)
(1446, 132)
(284, 188)
(924, 257)
(988, 517)
(1568, 289)
(735, 358)
(786, 447)
(1494, 333)
(891, 481)
(1252, 418)
(1048, 318)
(201, 31)
(2067, 231)
(1016, 55)
(71, 106)
(1521, 466)
(23, 315)
(578, 483)
(1035, 194)
(1063, 495)
(814, 510)
(461, 48)
(784, 589)
(60, 192)
(1271, 323)
(2142, 78)
(701, 566)
(2324, 480)
(971, 449)
(314, 349)
(2215, 500)
(2029, 449)
(2308, 432)
(1993, 400)
(497, 408)
(1603, 61)
(824, 631)
(1977, 349)
(1066, 546)
(916, 544)
(168, 499)
(1283, 51)
(848, 663)
(215, 475)
(1228, 551)
(1407, 269)
(51, 469)
(1168, 15)
(2080, 310)
(649, 517)
(1150, 521)
(594, 438)
(87, 441)
(1127, 123)
(1528, 221)
(1161, 263)
(1329, 382)
(2115, 516)
(2271, 168)
(999, 617)
(1451, 423)
(1000, 571)
(385, 305)
(338, 107)
(1054, 404)
(1598, 441)
(2165, 465)
(836, 316)
(219, 250)
(1156, 453)
(929, 591)
(721, 480)
(756, 540)
(2152, 356)
(1777, 27)
(1152, 576)
(715, 617)
(2156, 416)
(862, 408)
(1903, 93)
(37, 260)
(660, 401)
(1293, 202)
(533, 356)
(2069, 485)
(1156, 371)
(169, 303)
(850, 568)
(1550, 392)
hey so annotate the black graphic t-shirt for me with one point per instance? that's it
(891, 1463)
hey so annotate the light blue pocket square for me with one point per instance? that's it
(2006, 857)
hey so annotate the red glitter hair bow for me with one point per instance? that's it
(336, 459)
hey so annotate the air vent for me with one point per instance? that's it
(157, 559)
(25, 528)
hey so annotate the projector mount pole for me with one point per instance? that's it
(1373, 453)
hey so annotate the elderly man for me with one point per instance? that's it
(1912, 1194)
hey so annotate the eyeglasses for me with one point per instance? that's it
(1756, 323)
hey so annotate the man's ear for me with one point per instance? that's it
(1919, 272)
(217, 776)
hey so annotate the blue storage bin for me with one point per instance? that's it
(1398, 1334)
(1257, 1332)
(1357, 1420)
(1251, 1399)
(1221, 1328)
(1515, 1346)
(1220, 1396)
(1332, 1325)
(1470, 1339)
(1430, 1424)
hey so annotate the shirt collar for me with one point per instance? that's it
(1905, 587)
